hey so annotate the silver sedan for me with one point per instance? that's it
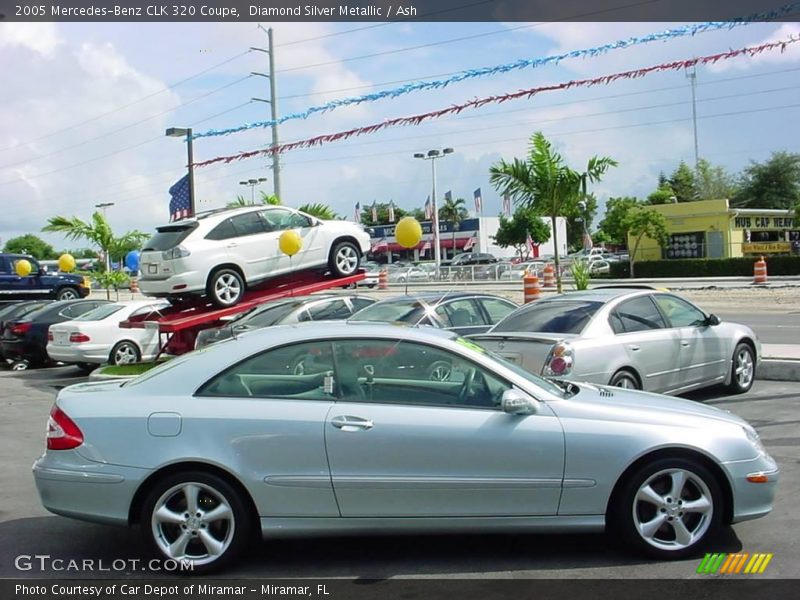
(632, 338)
(212, 446)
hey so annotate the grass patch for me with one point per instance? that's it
(130, 370)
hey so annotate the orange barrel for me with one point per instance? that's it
(383, 280)
(549, 276)
(531, 288)
(134, 285)
(760, 271)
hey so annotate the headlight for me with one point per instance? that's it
(752, 435)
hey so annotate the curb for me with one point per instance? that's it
(97, 376)
(778, 369)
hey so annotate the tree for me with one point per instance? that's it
(546, 184)
(663, 195)
(683, 184)
(319, 210)
(612, 224)
(30, 244)
(382, 208)
(263, 198)
(454, 211)
(772, 184)
(713, 183)
(514, 232)
(641, 222)
(99, 233)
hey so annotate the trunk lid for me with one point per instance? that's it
(528, 350)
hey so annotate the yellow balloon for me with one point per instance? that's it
(66, 263)
(290, 242)
(408, 232)
(23, 268)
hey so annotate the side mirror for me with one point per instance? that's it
(712, 320)
(515, 402)
(42, 271)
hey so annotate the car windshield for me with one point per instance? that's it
(551, 317)
(410, 311)
(99, 313)
(169, 236)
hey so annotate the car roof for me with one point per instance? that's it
(436, 297)
(605, 294)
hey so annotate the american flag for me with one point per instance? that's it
(425, 248)
(357, 213)
(180, 206)
(382, 245)
(529, 243)
(470, 243)
(506, 205)
(391, 212)
(478, 201)
(374, 212)
(448, 196)
(428, 208)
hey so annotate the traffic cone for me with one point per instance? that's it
(760, 271)
(531, 290)
(383, 280)
(549, 276)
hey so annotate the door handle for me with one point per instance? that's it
(346, 423)
(685, 344)
(634, 347)
(232, 245)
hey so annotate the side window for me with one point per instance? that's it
(247, 224)
(640, 314)
(616, 323)
(496, 309)
(74, 310)
(278, 219)
(460, 313)
(392, 372)
(359, 303)
(4, 268)
(300, 371)
(223, 231)
(329, 310)
(680, 313)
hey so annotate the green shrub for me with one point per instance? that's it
(705, 267)
(581, 273)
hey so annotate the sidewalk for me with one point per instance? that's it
(780, 362)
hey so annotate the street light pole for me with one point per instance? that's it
(180, 132)
(432, 155)
(253, 183)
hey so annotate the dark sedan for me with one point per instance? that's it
(17, 310)
(284, 311)
(461, 312)
(24, 340)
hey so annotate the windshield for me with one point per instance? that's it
(392, 312)
(99, 313)
(169, 236)
(550, 317)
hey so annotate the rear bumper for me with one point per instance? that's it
(85, 353)
(188, 282)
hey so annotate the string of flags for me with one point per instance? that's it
(688, 30)
(476, 195)
(676, 65)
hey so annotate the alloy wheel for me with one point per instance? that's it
(743, 367)
(347, 259)
(125, 354)
(228, 288)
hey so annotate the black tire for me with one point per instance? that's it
(230, 533)
(87, 367)
(743, 369)
(124, 353)
(625, 379)
(67, 293)
(648, 527)
(225, 287)
(344, 259)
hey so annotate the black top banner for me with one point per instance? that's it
(231, 11)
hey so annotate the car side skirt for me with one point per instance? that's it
(313, 527)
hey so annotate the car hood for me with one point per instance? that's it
(611, 403)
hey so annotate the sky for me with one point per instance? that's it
(84, 107)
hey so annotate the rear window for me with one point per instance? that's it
(99, 313)
(269, 316)
(392, 312)
(550, 317)
(169, 236)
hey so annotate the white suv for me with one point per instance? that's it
(220, 253)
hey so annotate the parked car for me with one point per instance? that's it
(462, 312)
(95, 337)
(221, 253)
(285, 311)
(519, 270)
(634, 338)
(406, 274)
(246, 444)
(16, 310)
(24, 340)
(473, 258)
(372, 271)
(39, 284)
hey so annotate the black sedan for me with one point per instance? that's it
(461, 312)
(12, 311)
(284, 311)
(24, 340)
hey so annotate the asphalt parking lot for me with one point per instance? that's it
(27, 529)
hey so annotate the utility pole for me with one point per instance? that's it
(273, 102)
(692, 77)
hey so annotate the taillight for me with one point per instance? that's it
(19, 329)
(62, 432)
(559, 361)
(50, 336)
(77, 337)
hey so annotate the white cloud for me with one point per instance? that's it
(790, 55)
(41, 38)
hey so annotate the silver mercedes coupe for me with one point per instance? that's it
(213, 446)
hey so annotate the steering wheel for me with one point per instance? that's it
(466, 387)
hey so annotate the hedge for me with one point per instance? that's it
(705, 267)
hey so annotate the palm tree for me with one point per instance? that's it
(454, 211)
(321, 211)
(265, 198)
(545, 183)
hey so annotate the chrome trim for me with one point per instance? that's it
(448, 483)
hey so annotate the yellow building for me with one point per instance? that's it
(712, 229)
